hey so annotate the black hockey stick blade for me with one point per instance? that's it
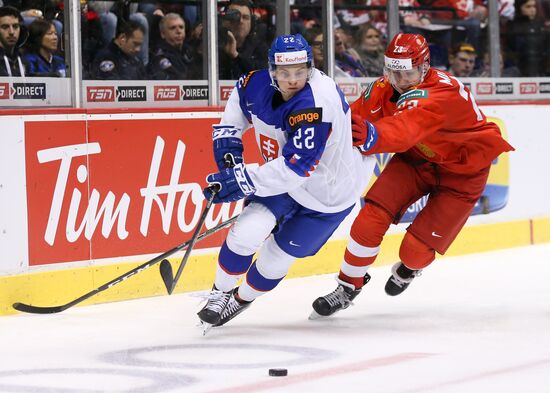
(40, 310)
(166, 273)
(28, 308)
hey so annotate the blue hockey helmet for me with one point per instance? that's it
(290, 49)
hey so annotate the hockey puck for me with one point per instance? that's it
(278, 372)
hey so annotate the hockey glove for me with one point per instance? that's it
(228, 146)
(232, 183)
(364, 134)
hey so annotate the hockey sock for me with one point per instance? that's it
(357, 260)
(256, 284)
(231, 266)
(367, 233)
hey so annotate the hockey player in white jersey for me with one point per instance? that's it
(310, 181)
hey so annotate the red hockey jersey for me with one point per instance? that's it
(438, 121)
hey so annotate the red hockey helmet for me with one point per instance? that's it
(406, 61)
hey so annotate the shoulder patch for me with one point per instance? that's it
(106, 66)
(243, 80)
(381, 82)
(164, 63)
(413, 94)
(368, 90)
(305, 116)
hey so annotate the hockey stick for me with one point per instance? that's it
(166, 273)
(56, 309)
(165, 268)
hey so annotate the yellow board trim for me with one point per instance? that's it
(62, 286)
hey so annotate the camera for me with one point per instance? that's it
(229, 16)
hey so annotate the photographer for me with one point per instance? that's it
(241, 50)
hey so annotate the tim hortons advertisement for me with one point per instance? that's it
(101, 189)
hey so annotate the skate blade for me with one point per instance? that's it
(205, 327)
(314, 315)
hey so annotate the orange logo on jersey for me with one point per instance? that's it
(308, 117)
(305, 116)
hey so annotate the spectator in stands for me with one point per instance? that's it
(471, 14)
(118, 60)
(346, 34)
(91, 38)
(462, 60)
(314, 36)
(412, 21)
(172, 57)
(110, 12)
(345, 60)
(353, 16)
(40, 58)
(241, 51)
(196, 47)
(527, 38)
(368, 43)
(39, 9)
(10, 37)
(484, 70)
(307, 14)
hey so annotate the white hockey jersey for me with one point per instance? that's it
(305, 141)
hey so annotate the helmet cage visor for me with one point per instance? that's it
(278, 71)
(403, 74)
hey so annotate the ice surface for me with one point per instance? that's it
(478, 323)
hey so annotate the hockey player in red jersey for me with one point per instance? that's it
(444, 147)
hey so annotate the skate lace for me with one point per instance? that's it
(338, 297)
(397, 281)
(232, 306)
(400, 281)
(216, 300)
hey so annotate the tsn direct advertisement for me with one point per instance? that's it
(111, 188)
(102, 94)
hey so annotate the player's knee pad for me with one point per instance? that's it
(414, 253)
(273, 263)
(370, 225)
(251, 229)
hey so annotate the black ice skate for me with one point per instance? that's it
(337, 300)
(211, 313)
(400, 279)
(233, 308)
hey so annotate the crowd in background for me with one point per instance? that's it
(163, 40)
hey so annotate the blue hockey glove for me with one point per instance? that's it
(228, 146)
(232, 184)
(364, 133)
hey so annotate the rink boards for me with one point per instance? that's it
(89, 194)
